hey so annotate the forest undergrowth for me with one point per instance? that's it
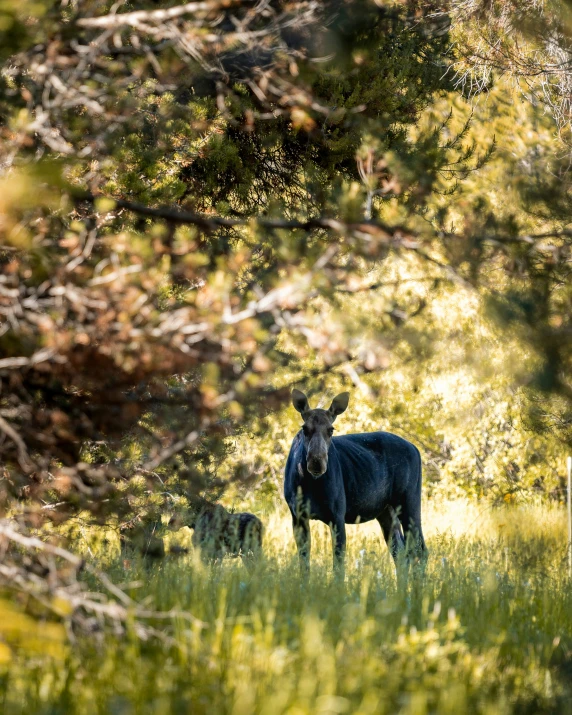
(486, 628)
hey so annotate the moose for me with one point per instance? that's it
(352, 479)
(218, 532)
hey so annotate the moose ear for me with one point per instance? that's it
(339, 404)
(300, 402)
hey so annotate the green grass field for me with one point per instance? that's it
(487, 629)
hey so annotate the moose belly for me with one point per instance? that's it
(331, 510)
(360, 516)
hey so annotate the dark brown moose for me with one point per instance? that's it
(352, 479)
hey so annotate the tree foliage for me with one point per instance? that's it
(199, 208)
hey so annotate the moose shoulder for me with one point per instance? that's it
(350, 479)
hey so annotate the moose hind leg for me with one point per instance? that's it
(410, 517)
(391, 532)
(410, 514)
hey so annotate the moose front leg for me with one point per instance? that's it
(302, 537)
(338, 531)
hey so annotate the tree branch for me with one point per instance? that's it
(211, 223)
(134, 18)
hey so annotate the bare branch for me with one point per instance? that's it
(211, 223)
(30, 542)
(23, 457)
(135, 18)
(119, 611)
(397, 235)
(16, 362)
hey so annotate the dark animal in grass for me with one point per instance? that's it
(218, 532)
(352, 479)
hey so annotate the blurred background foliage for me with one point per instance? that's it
(200, 209)
(448, 362)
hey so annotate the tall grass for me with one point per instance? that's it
(487, 628)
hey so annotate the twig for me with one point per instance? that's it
(23, 458)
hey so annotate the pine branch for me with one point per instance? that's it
(211, 223)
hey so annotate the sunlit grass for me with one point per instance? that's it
(487, 628)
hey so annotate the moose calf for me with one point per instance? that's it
(217, 532)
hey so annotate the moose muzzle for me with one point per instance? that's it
(317, 458)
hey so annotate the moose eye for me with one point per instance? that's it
(330, 431)
(305, 430)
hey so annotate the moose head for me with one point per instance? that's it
(318, 429)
